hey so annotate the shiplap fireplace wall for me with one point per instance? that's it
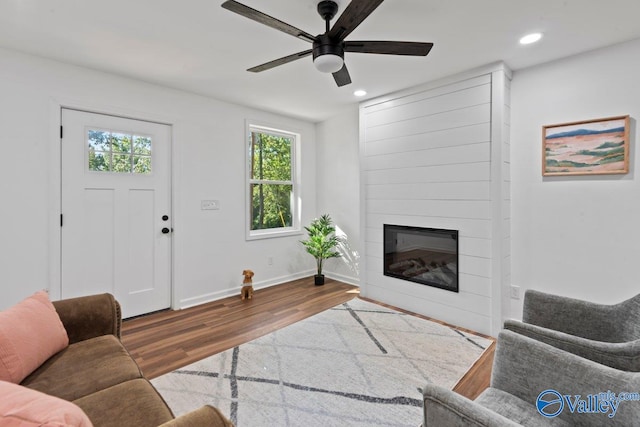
(437, 156)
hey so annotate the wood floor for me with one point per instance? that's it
(168, 340)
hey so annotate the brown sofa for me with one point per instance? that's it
(97, 373)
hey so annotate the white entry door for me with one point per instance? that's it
(116, 210)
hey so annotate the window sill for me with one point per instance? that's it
(270, 234)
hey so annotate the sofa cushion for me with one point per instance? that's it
(519, 411)
(84, 368)
(30, 333)
(23, 407)
(131, 403)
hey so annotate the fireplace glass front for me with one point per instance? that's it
(428, 256)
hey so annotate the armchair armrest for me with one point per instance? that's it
(443, 407)
(623, 356)
(206, 416)
(572, 316)
(90, 316)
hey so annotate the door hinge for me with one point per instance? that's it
(60, 131)
(61, 220)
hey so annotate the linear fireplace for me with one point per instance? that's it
(428, 256)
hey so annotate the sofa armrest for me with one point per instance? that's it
(569, 315)
(443, 407)
(623, 356)
(206, 416)
(89, 316)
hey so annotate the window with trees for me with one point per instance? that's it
(112, 151)
(272, 182)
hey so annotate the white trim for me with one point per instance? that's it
(55, 185)
(215, 296)
(54, 152)
(362, 271)
(350, 280)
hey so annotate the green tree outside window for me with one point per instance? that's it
(271, 181)
(118, 152)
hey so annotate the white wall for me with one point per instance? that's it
(338, 189)
(575, 236)
(435, 156)
(210, 250)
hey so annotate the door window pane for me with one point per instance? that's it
(120, 152)
(142, 145)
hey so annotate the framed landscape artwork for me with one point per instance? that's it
(591, 147)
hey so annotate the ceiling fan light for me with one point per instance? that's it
(328, 63)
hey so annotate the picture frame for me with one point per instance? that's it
(588, 147)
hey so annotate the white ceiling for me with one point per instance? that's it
(197, 46)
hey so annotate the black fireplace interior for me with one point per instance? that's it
(428, 256)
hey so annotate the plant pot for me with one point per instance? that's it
(318, 279)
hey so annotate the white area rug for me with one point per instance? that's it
(357, 364)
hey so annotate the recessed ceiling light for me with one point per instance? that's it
(360, 92)
(530, 38)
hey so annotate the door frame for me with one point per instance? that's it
(54, 201)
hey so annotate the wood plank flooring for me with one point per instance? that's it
(165, 341)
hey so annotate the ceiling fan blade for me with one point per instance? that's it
(342, 76)
(353, 15)
(280, 61)
(389, 47)
(267, 20)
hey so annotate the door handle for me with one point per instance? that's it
(165, 230)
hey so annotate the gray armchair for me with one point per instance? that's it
(607, 334)
(522, 369)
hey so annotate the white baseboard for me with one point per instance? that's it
(355, 281)
(214, 296)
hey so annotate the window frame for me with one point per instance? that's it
(296, 204)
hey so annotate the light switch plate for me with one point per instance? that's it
(209, 205)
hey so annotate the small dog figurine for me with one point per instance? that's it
(247, 286)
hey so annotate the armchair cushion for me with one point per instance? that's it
(30, 333)
(23, 407)
(517, 410)
(443, 407)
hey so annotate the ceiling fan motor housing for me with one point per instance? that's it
(323, 45)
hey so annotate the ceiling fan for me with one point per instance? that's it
(329, 48)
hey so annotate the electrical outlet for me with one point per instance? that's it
(515, 292)
(209, 205)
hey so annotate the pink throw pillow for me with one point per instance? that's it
(30, 333)
(23, 407)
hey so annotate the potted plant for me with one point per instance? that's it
(321, 243)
